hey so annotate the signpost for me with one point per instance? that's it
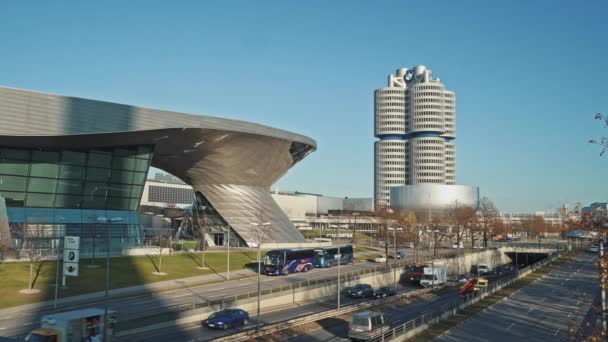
(71, 256)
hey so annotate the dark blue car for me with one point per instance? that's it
(227, 318)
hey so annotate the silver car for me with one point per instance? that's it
(366, 326)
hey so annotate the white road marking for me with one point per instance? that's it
(147, 301)
(30, 323)
(570, 315)
(510, 326)
(556, 331)
(6, 317)
(530, 310)
(2, 328)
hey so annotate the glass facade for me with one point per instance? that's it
(86, 193)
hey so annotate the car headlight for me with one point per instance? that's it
(220, 323)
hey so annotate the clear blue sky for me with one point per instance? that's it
(529, 76)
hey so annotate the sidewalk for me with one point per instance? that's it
(147, 289)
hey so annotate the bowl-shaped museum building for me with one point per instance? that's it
(73, 166)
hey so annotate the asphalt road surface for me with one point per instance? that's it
(541, 311)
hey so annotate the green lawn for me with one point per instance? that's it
(124, 272)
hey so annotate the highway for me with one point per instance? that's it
(541, 311)
(18, 323)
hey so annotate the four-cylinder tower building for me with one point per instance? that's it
(415, 123)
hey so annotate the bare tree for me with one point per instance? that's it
(488, 217)
(385, 218)
(34, 236)
(411, 231)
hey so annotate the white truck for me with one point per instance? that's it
(433, 276)
(78, 325)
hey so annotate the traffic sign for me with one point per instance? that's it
(71, 255)
(70, 269)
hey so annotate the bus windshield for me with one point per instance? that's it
(319, 253)
(273, 259)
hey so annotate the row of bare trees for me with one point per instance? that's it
(454, 224)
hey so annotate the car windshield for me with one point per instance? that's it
(361, 321)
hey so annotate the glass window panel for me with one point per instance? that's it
(14, 167)
(97, 174)
(11, 153)
(73, 158)
(124, 152)
(144, 152)
(119, 216)
(42, 185)
(119, 190)
(16, 214)
(39, 200)
(44, 170)
(12, 183)
(136, 191)
(118, 203)
(123, 163)
(66, 215)
(39, 215)
(122, 176)
(133, 203)
(95, 189)
(141, 165)
(94, 202)
(45, 156)
(139, 178)
(73, 187)
(67, 201)
(100, 160)
(71, 172)
(12, 196)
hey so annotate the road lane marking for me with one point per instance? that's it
(510, 326)
(3, 328)
(30, 323)
(6, 317)
(556, 331)
(530, 310)
(148, 301)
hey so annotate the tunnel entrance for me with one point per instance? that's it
(525, 259)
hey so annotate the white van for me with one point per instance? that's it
(433, 277)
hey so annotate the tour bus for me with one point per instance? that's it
(327, 257)
(285, 261)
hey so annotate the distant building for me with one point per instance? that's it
(415, 154)
(518, 218)
(595, 208)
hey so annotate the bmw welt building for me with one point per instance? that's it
(73, 166)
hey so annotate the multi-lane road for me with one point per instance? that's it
(19, 322)
(541, 311)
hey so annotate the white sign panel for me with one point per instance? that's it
(72, 242)
(71, 255)
(70, 269)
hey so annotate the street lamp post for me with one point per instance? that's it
(339, 259)
(434, 255)
(106, 298)
(259, 245)
(228, 256)
(395, 259)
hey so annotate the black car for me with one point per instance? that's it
(384, 291)
(360, 291)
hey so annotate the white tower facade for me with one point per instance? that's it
(415, 123)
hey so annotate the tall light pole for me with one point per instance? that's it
(106, 297)
(339, 259)
(260, 231)
(434, 254)
(228, 256)
(395, 259)
(355, 214)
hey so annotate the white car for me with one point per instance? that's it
(380, 258)
(594, 248)
(458, 246)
